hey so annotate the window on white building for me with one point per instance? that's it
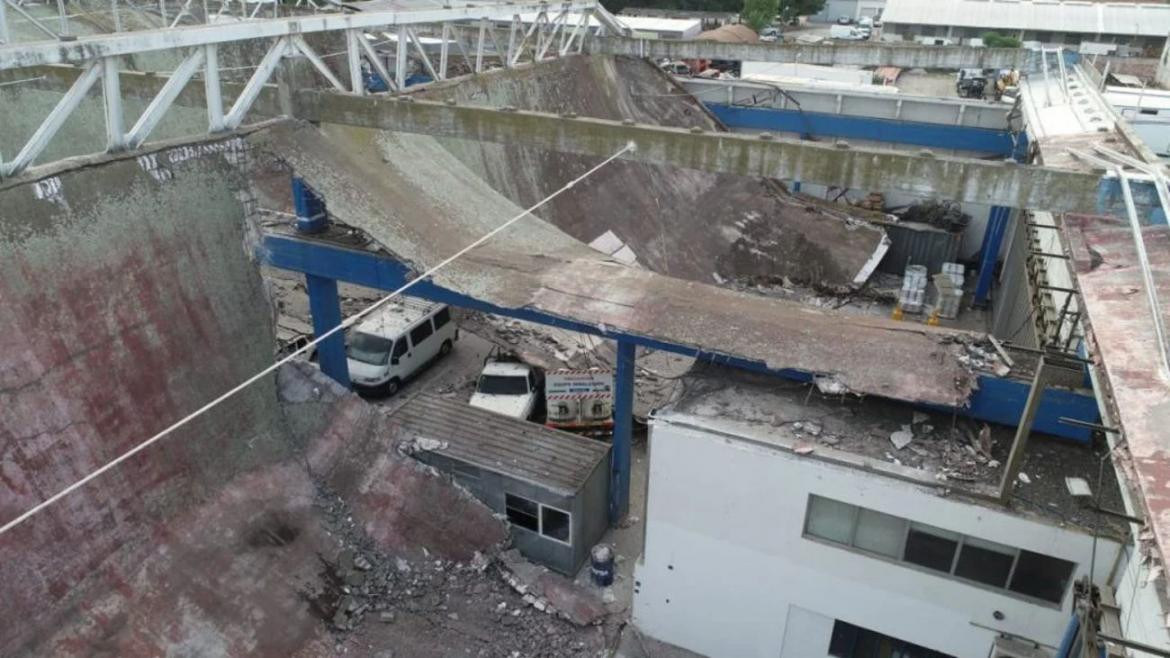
(880, 533)
(546, 521)
(985, 562)
(931, 547)
(849, 641)
(943, 551)
(829, 519)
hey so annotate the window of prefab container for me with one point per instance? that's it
(554, 523)
(442, 318)
(830, 519)
(522, 512)
(421, 332)
(1041, 576)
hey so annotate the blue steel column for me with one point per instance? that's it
(997, 224)
(623, 430)
(325, 306)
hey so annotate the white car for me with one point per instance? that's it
(507, 387)
(395, 342)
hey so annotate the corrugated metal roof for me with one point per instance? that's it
(1144, 19)
(508, 446)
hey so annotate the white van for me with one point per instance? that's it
(395, 342)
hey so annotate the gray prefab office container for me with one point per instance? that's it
(553, 486)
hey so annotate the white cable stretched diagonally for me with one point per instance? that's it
(345, 324)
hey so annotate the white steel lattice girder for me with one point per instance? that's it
(88, 48)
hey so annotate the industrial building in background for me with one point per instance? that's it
(1138, 28)
(524, 329)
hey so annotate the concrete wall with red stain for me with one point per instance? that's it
(127, 301)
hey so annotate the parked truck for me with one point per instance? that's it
(580, 400)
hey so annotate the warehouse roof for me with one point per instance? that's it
(501, 444)
(1143, 19)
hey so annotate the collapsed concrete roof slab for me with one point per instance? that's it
(422, 204)
(1122, 330)
(690, 224)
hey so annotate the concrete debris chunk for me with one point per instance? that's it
(902, 437)
(421, 444)
(830, 386)
(1024, 478)
(985, 440)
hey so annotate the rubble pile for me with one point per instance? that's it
(365, 595)
(946, 215)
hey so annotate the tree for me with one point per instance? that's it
(790, 9)
(997, 40)
(758, 14)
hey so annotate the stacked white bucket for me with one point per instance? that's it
(913, 295)
(947, 290)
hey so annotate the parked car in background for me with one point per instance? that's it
(847, 33)
(676, 67)
(770, 34)
(395, 342)
(844, 20)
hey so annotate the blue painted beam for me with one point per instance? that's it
(997, 225)
(325, 307)
(623, 433)
(915, 133)
(997, 400)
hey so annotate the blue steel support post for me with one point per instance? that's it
(1070, 636)
(997, 224)
(325, 306)
(623, 431)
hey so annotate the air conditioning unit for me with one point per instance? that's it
(1011, 647)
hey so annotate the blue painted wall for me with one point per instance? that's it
(997, 400)
(928, 135)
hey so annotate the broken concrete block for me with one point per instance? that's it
(902, 437)
(345, 560)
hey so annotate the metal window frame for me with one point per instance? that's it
(901, 561)
(540, 507)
